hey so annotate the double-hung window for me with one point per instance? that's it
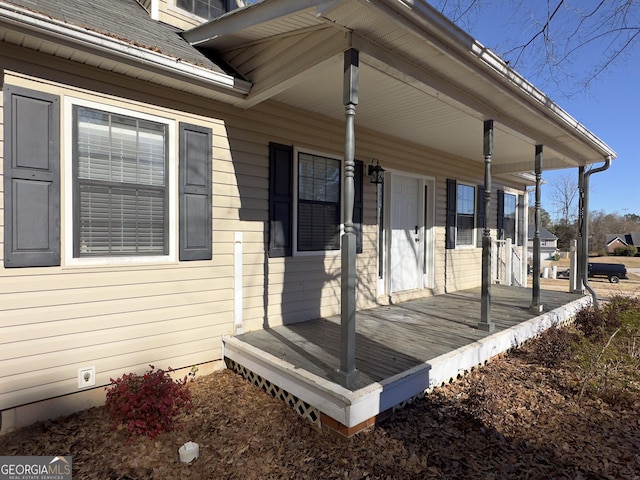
(318, 203)
(120, 166)
(465, 214)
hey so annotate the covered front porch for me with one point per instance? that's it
(402, 350)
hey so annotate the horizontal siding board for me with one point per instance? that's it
(202, 326)
(151, 346)
(108, 324)
(91, 295)
(142, 306)
(199, 352)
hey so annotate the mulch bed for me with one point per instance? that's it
(514, 418)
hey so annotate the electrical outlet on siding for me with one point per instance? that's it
(86, 377)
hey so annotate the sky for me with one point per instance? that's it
(609, 107)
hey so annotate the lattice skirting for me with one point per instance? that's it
(303, 409)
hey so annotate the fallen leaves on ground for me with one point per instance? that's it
(514, 418)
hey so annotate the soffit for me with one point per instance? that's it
(429, 86)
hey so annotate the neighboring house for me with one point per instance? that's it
(615, 240)
(163, 188)
(548, 241)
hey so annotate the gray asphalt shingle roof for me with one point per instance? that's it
(632, 238)
(124, 20)
(544, 233)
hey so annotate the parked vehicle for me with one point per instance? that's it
(613, 271)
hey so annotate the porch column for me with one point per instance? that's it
(535, 300)
(347, 374)
(485, 296)
(580, 259)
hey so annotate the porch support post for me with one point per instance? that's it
(347, 375)
(535, 298)
(580, 259)
(485, 297)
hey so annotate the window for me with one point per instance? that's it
(465, 213)
(120, 185)
(509, 217)
(204, 8)
(318, 220)
(315, 195)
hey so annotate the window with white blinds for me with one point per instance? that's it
(120, 192)
(318, 203)
(465, 213)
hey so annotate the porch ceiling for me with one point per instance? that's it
(422, 80)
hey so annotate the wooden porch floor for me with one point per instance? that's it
(395, 338)
(401, 350)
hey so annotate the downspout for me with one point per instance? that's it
(585, 228)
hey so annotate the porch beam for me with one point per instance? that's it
(485, 297)
(535, 296)
(347, 374)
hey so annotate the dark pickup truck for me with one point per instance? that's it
(613, 271)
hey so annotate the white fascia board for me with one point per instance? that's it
(95, 41)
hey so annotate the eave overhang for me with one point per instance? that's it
(30, 29)
(422, 78)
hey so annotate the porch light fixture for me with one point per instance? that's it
(376, 172)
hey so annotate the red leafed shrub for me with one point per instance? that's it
(147, 404)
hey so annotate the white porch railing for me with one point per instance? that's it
(507, 264)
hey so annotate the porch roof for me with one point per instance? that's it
(422, 79)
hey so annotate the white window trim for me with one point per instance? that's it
(67, 192)
(327, 253)
(474, 239)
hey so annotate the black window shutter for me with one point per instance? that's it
(280, 200)
(522, 231)
(500, 225)
(481, 214)
(195, 192)
(450, 237)
(358, 203)
(31, 178)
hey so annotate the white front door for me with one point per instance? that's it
(406, 253)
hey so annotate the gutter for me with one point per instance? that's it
(585, 228)
(128, 53)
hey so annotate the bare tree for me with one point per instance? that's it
(564, 196)
(555, 35)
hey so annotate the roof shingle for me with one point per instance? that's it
(125, 20)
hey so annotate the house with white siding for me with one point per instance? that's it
(178, 171)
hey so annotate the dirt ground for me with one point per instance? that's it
(513, 419)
